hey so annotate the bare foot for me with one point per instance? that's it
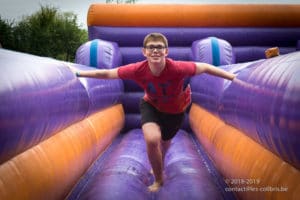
(155, 186)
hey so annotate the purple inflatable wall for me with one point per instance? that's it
(124, 172)
(40, 96)
(265, 104)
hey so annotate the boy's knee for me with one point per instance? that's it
(153, 142)
(152, 134)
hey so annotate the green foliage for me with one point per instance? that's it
(48, 33)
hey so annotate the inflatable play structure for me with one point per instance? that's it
(63, 137)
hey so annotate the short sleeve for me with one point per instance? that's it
(187, 68)
(127, 71)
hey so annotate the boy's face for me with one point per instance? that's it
(155, 52)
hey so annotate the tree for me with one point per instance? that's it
(6, 34)
(121, 1)
(49, 33)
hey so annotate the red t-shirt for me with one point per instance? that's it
(165, 92)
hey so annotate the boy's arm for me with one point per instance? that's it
(210, 69)
(97, 73)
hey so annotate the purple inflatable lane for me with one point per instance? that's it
(125, 173)
(186, 173)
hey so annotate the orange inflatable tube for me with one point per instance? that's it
(197, 15)
(236, 156)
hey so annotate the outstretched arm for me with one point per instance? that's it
(97, 73)
(210, 69)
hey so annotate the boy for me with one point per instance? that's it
(165, 100)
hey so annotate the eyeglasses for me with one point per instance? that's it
(157, 47)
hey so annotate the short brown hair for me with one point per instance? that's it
(155, 37)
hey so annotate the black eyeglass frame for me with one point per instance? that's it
(153, 47)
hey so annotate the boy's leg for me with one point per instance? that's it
(165, 146)
(152, 137)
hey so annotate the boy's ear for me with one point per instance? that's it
(144, 51)
(167, 51)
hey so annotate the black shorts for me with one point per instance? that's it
(169, 123)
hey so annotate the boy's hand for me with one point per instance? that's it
(74, 70)
(272, 52)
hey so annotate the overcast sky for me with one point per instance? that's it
(16, 9)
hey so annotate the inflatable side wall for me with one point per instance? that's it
(248, 128)
(52, 125)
